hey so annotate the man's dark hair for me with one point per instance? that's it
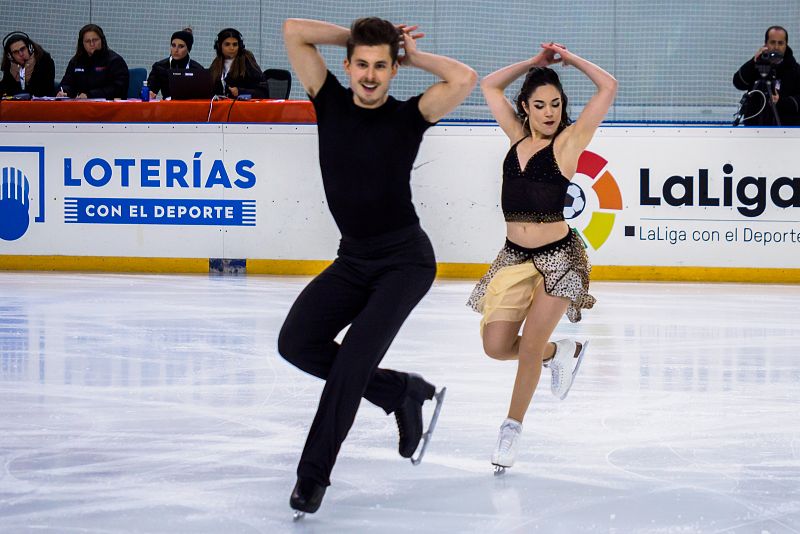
(781, 28)
(373, 31)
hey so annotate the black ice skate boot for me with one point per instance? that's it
(306, 497)
(409, 416)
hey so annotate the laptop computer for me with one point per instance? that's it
(190, 84)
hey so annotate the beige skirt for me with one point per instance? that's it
(505, 292)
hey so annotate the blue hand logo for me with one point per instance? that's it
(14, 204)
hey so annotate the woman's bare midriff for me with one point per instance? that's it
(533, 235)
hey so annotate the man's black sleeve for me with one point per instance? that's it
(746, 76)
(789, 102)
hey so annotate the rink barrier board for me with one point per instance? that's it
(464, 271)
(661, 203)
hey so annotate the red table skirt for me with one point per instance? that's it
(292, 111)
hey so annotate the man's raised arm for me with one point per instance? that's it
(457, 83)
(301, 37)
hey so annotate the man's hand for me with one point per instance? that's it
(759, 52)
(408, 44)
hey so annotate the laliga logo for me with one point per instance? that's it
(594, 216)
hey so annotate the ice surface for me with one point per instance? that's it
(149, 403)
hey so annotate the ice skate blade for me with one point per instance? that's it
(298, 515)
(577, 366)
(499, 470)
(426, 436)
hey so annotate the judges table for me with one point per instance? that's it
(285, 111)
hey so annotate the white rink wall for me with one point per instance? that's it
(664, 197)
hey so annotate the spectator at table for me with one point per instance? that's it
(180, 46)
(27, 67)
(95, 71)
(235, 70)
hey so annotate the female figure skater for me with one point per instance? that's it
(542, 271)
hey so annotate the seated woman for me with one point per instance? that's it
(26, 67)
(235, 69)
(180, 46)
(95, 71)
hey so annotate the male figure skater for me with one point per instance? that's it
(368, 141)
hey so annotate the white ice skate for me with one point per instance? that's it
(565, 364)
(507, 444)
(426, 436)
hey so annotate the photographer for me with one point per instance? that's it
(772, 79)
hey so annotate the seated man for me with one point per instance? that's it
(27, 67)
(772, 79)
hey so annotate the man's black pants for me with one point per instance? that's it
(373, 285)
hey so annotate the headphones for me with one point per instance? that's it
(13, 37)
(233, 32)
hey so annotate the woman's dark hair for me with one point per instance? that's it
(16, 37)
(80, 51)
(538, 77)
(373, 31)
(239, 65)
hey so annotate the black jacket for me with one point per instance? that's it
(40, 84)
(787, 74)
(102, 75)
(250, 83)
(159, 74)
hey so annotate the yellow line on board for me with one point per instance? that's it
(468, 271)
(752, 275)
(293, 267)
(106, 264)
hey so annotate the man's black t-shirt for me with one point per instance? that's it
(366, 156)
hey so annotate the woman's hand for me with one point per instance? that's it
(552, 53)
(234, 91)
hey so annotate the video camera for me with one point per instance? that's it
(767, 61)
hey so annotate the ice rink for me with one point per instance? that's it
(154, 403)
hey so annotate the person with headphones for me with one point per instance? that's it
(180, 46)
(235, 69)
(95, 71)
(27, 67)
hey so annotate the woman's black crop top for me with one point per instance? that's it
(535, 193)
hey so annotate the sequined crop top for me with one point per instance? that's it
(535, 193)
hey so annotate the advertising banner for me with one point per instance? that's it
(657, 197)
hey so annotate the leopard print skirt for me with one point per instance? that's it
(563, 264)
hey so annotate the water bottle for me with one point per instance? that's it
(145, 92)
